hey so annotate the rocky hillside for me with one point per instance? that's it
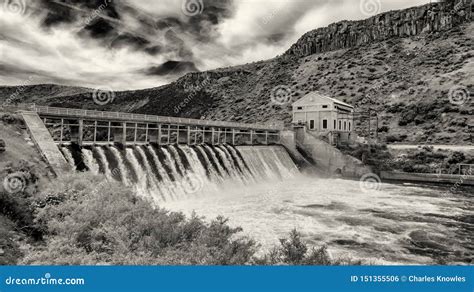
(413, 67)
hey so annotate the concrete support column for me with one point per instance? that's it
(188, 134)
(196, 136)
(135, 134)
(146, 133)
(95, 132)
(159, 134)
(62, 131)
(81, 132)
(108, 132)
(233, 136)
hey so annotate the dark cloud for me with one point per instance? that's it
(172, 68)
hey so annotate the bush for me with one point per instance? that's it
(89, 220)
(18, 206)
(9, 250)
(12, 119)
(456, 157)
(392, 138)
(293, 251)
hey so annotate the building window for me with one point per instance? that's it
(349, 126)
(325, 106)
(335, 127)
(299, 108)
(340, 125)
(325, 124)
(311, 124)
(345, 124)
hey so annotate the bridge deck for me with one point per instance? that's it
(121, 116)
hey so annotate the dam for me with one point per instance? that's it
(162, 158)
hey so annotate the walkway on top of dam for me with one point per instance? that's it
(91, 127)
(59, 112)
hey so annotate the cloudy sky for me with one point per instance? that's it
(130, 44)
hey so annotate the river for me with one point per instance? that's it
(393, 224)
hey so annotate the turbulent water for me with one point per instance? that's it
(396, 224)
(260, 189)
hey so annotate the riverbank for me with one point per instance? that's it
(427, 178)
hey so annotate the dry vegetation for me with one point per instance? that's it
(405, 80)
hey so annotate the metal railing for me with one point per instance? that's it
(58, 111)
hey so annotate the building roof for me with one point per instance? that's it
(313, 95)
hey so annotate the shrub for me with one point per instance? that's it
(89, 220)
(9, 249)
(293, 251)
(18, 206)
(392, 138)
(456, 157)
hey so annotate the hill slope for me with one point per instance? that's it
(404, 69)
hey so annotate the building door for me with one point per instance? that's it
(311, 124)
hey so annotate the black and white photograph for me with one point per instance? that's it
(236, 133)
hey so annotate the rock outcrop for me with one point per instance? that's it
(428, 18)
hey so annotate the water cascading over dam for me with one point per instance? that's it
(164, 173)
